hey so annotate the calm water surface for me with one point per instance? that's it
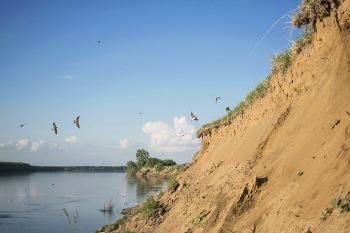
(34, 202)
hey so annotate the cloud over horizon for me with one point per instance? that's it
(36, 145)
(14, 146)
(73, 139)
(124, 143)
(165, 138)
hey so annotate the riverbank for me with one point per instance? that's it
(166, 173)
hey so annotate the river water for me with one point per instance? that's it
(34, 202)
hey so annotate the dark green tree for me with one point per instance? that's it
(151, 162)
(131, 168)
(168, 162)
(142, 156)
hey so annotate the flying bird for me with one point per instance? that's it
(184, 134)
(54, 128)
(228, 110)
(21, 125)
(140, 113)
(77, 122)
(216, 99)
(98, 41)
(193, 117)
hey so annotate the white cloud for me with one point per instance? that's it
(36, 145)
(8, 145)
(73, 139)
(21, 143)
(14, 146)
(66, 76)
(124, 143)
(165, 138)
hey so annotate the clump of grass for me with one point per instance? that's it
(161, 193)
(348, 113)
(128, 231)
(195, 154)
(149, 205)
(309, 11)
(172, 180)
(109, 208)
(76, 221)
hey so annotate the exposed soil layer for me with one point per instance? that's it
(279, 164)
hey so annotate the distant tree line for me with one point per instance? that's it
(144, 160)
(25, 167)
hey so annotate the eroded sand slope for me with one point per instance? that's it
(278, 165)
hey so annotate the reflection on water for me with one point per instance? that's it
(29, 200)
(145, 187)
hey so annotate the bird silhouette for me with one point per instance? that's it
(21, 125)
(77, 122)
(98, 41)
(184, 134)
(228, 110)
(193, 117)
(54, 128)
(216, 99)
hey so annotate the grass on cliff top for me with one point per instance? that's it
(308, 12)
(279, 62)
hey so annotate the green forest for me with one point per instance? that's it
(25, 167)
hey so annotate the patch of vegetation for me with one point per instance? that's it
(144, 160)
(109, 208)
(128, 231)
(131, 168)
(159, 167)
(309, 10)
(343, 204)
(194, 156)
(161, 193)
(149, 205)
(76, 221)
(348, 113)
(172, 180)
(199, 216)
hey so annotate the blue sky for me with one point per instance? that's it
(161, 58)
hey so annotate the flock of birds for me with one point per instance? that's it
(76, 122)
(194, 118)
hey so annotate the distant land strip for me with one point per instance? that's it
(25, 167)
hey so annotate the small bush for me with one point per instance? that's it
(159, 167)
(149, 205)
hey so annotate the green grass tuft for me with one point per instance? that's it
(149, 205)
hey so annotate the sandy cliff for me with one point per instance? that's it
(279, 164)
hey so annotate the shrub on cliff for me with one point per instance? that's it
(151, 162)
(159, 167)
